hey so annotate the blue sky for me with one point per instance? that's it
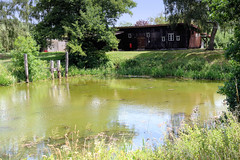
(144, 9)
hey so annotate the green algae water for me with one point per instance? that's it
(142, 108)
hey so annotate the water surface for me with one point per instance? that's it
(143, 107)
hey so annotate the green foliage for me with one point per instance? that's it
(5, 77)
(231, 89)
(223, 38)
(232, 85)
(160, 19)
(14, 17)
(205, 65)
(202, 13)
(217, 142)
(125, 24)
(233, 50)
(2, 50)
(90, 39)
(37, 68)
(85, 23)
(186, 11)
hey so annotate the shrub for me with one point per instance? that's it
(37, 68)
(231, 89)
(5, 77)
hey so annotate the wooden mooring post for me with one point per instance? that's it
(59, 68)
(26, 68)
(66, 68)
(52, 68)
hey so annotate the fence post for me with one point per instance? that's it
(26, 68)
(52, 68)
(59, 68)
(66, 69)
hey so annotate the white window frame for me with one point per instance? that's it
(170, 37)
(178, 38)
(148, 34)
(163, 39)
(129, 35)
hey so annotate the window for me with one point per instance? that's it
(148, 35)
(129, 35)
(163, 38)
(170, 36)
(177, 38)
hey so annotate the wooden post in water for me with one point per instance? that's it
(52, 68)
(26, 68)
(66, 69)
(59, 68)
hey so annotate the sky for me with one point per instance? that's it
(144, 10)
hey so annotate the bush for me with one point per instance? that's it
(232, 86)
(5, 77)
(231, 89)
(2, 50)
(37, 68)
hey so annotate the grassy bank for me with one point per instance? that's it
(220, 141)
(192, 63)
(195, 64)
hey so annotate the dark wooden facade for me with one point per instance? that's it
(158, 37)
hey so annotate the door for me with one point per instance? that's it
(141, 42)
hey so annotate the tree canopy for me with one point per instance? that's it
(159, 19)
(141, 23)
(86, 24)
(229, 10)
(56, 15)
(15, 17)
(200, 12)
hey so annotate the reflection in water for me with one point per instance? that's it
(144, 107)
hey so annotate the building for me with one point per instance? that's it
(163, 36)
(57, 46)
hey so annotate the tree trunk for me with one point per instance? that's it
(214, 31)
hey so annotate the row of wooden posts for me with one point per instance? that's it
(52, 69)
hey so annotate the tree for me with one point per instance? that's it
(125, 24)
(141, 23)
(86, 24)
(160, 19)
(231, 88)
(200, 12)
(14, 21)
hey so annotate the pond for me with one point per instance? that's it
(144, 108)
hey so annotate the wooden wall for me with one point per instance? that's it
(140, 39)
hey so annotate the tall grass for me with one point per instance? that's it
(218, 141)
(5, 77)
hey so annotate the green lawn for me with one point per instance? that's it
(189, 63)
(119, 56)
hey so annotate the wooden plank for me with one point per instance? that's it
(52, 68)
(67, 63)
(59, 68)
(26, 68)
